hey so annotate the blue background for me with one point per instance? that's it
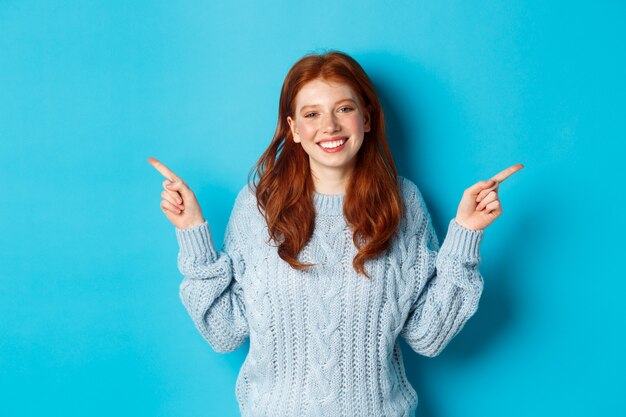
(90, 319)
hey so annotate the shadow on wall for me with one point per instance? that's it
(403, 97)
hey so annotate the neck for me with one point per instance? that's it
(331, 181)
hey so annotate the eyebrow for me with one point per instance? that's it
(316, 105)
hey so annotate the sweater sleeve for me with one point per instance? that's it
(211, 290)
(449, 282)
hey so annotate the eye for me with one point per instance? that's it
(308, 115)
(346, 108)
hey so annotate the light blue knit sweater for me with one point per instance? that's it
(324, 342)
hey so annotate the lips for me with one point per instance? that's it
(334, 138)
(332, 146)
(336, 143)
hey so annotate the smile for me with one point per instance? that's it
(333, 146)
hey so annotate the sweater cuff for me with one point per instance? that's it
(462, 242)
(196, 242)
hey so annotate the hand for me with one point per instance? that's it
(179, 203)
(480, 205)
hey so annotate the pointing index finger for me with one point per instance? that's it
(165, 171)
(502, 175)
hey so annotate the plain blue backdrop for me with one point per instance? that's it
(90, 319)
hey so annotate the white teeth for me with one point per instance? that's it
(333, 144)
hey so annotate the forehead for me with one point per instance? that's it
(320, 92)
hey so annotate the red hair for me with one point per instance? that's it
(284, 185)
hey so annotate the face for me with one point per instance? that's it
(329, 122)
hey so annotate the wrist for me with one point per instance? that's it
(467, 226)
(461, 242)
(196, 242)
(192, 224)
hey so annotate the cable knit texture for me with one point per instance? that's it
(324, 342)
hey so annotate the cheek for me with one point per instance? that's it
(355, 124)
(307, 130)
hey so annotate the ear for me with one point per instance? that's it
(366, 119)
(294, 129)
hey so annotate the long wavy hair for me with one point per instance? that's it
(283, 181)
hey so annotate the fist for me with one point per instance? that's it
(179, 203)
(480, 204)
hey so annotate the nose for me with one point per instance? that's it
(329, 123)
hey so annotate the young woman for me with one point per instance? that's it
(328, 257)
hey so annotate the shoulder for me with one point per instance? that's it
(411, 194)
(245, 219)
(245, 208)
(246, 196)
(415, 208)
(245, 202)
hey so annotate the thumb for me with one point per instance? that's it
(181, 187)
(479, 186)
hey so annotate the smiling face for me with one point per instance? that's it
(329, 122)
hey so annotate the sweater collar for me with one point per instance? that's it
(328, 204)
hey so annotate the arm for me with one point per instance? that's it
(211, 290)
(449, 280)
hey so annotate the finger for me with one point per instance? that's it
(182, 188)
(493, 206)
(492, 196)
(167, 206)
(175, 194)
(178, 185)
(475, 189)
(166, 196)
(502, 175)
(165, 171)
(174, 197)
(486, 191)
